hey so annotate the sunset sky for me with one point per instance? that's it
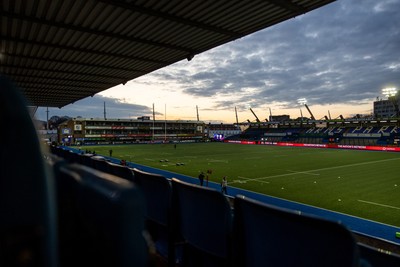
(339, 57)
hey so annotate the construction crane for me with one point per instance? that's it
(254, 115)
(309, 111)
(324, 118)
(270, 115)
(266, 119)
(237, 120)
(339, 117)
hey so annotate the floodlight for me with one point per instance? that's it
(302, 101)
(390, 91)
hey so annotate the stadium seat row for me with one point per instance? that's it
(100, 218)
(200, 228)
(370, 136)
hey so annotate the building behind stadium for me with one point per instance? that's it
(89, 131)
(387, 108)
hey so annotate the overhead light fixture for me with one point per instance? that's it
(302, 101)
(390, 91)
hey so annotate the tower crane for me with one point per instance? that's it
(254, 115)
(309, 111)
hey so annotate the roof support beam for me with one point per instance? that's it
(83, 50)
(154, 13)
(68, 81)
(70, 72)
(92, 31)
(288, 5)
(82, 64)
(39, 84)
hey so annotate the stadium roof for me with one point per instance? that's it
(61, 51)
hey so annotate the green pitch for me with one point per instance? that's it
(361, 183)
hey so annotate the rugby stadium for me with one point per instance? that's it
(122, 192)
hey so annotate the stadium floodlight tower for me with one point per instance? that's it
(303, 101)
(390, 93)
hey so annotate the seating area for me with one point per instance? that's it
(100, 218)
(269, 234)
(343, 135)
(28, 234)
(359, 141)
(157, 191)
(203, 218)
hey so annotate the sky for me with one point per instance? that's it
(339, 57)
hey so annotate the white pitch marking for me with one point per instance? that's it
(378, 204)
(322, 169)
(310, 173)
(246, 178)
(243, 180)
(217, 160)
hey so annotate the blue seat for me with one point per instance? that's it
(27, 203)
(266, 235)
(69, 225)
(101, 164)
(121, 171)
(157, 193)
(73, 157)
(375, 257)
(86, 159)
(203, 217)
(101, 219)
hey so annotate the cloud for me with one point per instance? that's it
(341, 54)
(93, 107)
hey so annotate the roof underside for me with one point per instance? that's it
(61, 51)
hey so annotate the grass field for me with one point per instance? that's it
(361, 183)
